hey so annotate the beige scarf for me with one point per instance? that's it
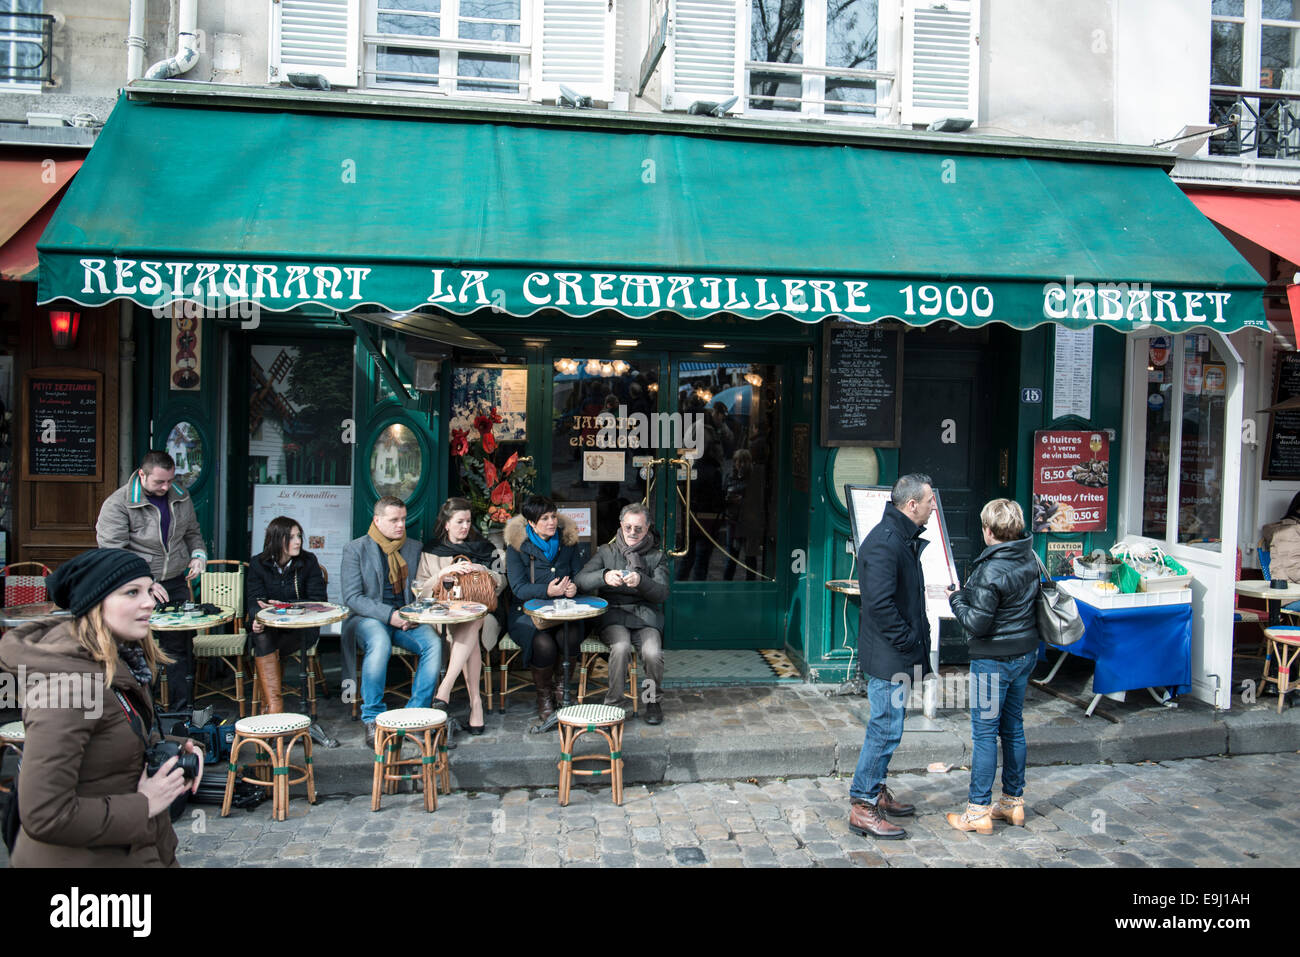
(397, 570)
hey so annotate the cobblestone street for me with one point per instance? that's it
(1236, 812)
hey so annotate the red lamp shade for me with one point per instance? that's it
(63, 329)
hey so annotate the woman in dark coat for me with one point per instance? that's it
(541, 562)
(997, 610)
(83, 794)
(282, 572)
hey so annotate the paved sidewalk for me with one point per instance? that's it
(1236, 812)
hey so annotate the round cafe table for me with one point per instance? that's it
(15, 615)
(1274, 597)
(543, 611)
(190, 621)
(303, 615)
(456, 613)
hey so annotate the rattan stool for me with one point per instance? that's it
(274, 734)
(427, 728)
(577, 720)
(12, 736)
(1283, 647)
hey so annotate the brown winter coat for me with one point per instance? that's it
(426, 579)
(77, 789)
(1282, 539)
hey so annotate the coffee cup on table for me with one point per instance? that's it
(1280, 583)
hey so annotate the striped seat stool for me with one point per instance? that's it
(12, 736)
(579, 719)
(275, 735)
(427, 728)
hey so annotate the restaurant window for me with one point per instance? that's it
(449, 46)
(185, 446)
(1255, 75)
(25, 41)
(818, 57)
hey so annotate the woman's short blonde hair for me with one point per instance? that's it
(1004, 519)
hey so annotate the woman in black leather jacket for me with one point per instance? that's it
(996, 609)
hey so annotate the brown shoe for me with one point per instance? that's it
(1010, 809)
(975, 818)
(892, 807)
(544, 682)
(869, 822)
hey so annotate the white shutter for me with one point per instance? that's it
(573, 44)
(940, 69)
(705, 56)
(315, 36)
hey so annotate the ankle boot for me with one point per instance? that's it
(544, 682)
(268, 669)
(975, 818)
(1010, 809)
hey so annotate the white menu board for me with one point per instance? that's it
(323, 511)
(1072, 374)
(867, 507)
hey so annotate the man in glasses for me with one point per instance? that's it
(631, 573)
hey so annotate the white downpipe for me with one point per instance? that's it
(135, 41)
(187, 45)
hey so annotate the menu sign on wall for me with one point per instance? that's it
(1071, 480)
(1282, 455)
(862, 373)
(63, 424)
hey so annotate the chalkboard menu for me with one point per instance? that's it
(862, 372)
(64, 424)
(1282, 456)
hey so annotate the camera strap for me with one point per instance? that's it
(133, 718)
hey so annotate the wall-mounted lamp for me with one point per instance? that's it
(592, 367)
(620, 367)
(754, 379)
(63, 329)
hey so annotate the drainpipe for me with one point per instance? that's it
(135, 41)
(187, 45)
(126, 390)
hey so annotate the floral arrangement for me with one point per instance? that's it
(495, 488)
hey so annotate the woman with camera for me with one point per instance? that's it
(541, 562)
(84, 794)
(283, 572)
(457, 548)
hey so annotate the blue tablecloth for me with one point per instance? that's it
(1137, 647)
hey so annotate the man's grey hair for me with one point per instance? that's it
(635, 508)
(909, 488)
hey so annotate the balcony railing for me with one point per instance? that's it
(1266, 122)
(794, 88)
(26, 46)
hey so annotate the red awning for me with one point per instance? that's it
(1270, 221)
(30, 190)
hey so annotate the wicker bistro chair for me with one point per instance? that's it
(12, 736)
(273, 735)
(426, 728)
(24, 589)
(218, 587)
(1283, 648)
(580, 719)
(591, 651)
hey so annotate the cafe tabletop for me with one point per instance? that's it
(180, 621)
(15, 615)
(844, 586)
(444, 613)
(543, 609)
(303, 614)
(1260, 588)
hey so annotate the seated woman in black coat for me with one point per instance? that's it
(283, 572)
(541, 562)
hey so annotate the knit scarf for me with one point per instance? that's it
(633, 553)
(132, 655)
(397, 570)
(550, 547)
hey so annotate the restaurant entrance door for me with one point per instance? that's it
(699, 437)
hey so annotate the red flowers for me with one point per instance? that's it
(498, 515)
(495, 415)
(459, 442)
(489, 473)
(510, 464)
(489, 442)
(503, 494)
(492, 488)
(483, 424)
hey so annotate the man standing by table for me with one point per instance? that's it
(153, 518)
(893, 638)
(378, 572)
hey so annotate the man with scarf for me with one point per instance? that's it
(378, 572)
(631, 573)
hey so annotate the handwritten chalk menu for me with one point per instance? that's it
(862, 372)
(1282, 455)
(64, 424)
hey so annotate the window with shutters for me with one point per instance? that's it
(818, 57)
(460, 47)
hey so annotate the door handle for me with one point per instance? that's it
(686, 521)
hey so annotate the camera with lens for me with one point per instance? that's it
(159, 753)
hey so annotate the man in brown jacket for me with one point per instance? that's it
(153, 518)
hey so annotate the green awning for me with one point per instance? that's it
(286, 208)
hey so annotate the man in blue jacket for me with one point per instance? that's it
(893, 638)
(378, 572)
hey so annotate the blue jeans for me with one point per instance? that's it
(884, 730)
(997, 703)
(377, 639)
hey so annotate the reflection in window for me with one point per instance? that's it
(396, 463)
(297, 397)
(1155, 482)
(1200, 487)
(185, 446)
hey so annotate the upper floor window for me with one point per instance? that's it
(451, 46)
(816, 57)
(1255, 77)
(25, 40)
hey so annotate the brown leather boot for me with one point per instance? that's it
(544, 682)
(869, 822)
(892, 807)
(1009, 809)
(268, 669)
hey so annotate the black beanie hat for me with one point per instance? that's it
(81, 583)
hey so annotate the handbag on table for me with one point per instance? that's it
(1059, 623)
(476, 586)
